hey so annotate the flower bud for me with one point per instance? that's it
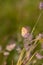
(10, 47)
(6, 53)
(41, 5)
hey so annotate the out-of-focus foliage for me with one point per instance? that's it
(13, 15)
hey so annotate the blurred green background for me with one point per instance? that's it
(17, 13)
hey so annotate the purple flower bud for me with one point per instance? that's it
(11, 46)
(39, 37)
(41, 5)
(38, 56)
(6, 53)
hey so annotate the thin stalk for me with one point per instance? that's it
(30, 59)
(36, 23)
(21, 56)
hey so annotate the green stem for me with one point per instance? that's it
(36, 22)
